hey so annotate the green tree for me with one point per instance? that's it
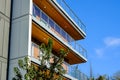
(117, 75)
(46, 70)
(25, 64)
(101, 77)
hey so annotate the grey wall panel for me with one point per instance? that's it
(0, 68)
(3, 71)
(21, 8)
(4, 36)
(20, 37)
(6, 39)
(8, 8)
(1, 35)
(2, 6)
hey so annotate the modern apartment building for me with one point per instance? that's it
(33, 22)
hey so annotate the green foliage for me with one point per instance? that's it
(46, 50)
(102, 77)
(57, 65)
(24, 65)
(45, 71)
(18, 75)
(117, 75)
(92, 78)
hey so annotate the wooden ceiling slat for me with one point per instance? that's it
(52, 12)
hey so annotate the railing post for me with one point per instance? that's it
(72, 14)
(75, 45)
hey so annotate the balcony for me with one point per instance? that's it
(70, 14)
(52, 26)
(36, 56)
(76, 73)
(54, 11)
(71, 70)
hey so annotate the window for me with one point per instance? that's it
(35, 51)
(44, 17)
(57, 28)
(51, 23)
(32, 49)
(36, 12)
(68, 38)
(63, 34)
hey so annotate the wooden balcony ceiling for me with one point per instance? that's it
(56, 15)
(42, 36)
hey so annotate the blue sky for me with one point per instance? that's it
(102, 20)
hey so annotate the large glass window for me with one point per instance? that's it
(35, 51)
(44, 17)
(68, 38)
(36, 12)
(64, 34)
(57, 28)
(51, 23)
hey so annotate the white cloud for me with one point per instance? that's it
(112, 41)
(108, 42)
(99, 52)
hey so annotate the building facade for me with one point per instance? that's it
(33, 22)
(4, 36)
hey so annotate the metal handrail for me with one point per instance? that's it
(75, 72)
(58, 30)
(72, 14)
(71, 70)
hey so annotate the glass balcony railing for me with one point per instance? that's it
(57, 30)
(76, 73)
(71, 70)
(72, 14)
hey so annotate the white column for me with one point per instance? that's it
(4, 36)
(20, 33)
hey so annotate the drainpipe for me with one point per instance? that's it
(9, 42)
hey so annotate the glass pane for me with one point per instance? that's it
(51, 23)
(57, 28)
(68, 38)
(45, 17)
(36, 51)
(36, 12)
(64, 34)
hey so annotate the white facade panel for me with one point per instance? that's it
(6, 39)
(8, 8)
(25, 7)
(14, 63)
(3, 71)
(21, 8)
(20, 33)
(16, 8)
(2, 6)
(0, 69)
(1, 35)
(20, 37)
(14, 40)
(24, 36)
(4, 36)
